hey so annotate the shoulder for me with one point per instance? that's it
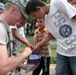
(58, 1)
(13, 27)
(45, 30)
(21, 29)
(2, 28)
(3, 34)
(37, 30)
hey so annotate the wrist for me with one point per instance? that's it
(27, 51)
(27, 45)
(39, 45)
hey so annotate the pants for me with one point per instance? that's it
(44, 65)
(66, 65)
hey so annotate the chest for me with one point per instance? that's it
(41, 35)
(59, 24)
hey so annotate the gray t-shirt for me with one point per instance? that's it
(3, 33)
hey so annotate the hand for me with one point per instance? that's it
(27, 51)
(29, 45)
(37, 47)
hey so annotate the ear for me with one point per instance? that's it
(38, 8)
(13, 8)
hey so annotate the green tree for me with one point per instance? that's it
(46, 1)
(3, 1)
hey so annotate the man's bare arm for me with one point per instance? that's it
(9, 63)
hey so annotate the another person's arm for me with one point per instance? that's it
(46, 39)
(34, 40)
(22, 40)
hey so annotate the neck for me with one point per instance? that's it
(4, 17)
(41, 29)
(47, 8)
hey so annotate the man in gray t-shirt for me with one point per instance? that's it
(14, 12)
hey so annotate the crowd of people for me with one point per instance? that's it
(55, 20)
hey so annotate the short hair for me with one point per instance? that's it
(32, 4)
(8, 5)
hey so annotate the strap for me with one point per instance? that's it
(10, 43)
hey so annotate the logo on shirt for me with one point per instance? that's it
(65, 30)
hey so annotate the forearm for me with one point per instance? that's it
(22, 40)
(46, 39)
(17, 36)
(10, 64)
(26, 41)
(34, 41)
(13, 62)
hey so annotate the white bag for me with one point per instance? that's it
(33, 62)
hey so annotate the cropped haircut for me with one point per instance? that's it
(8, 5)
(32, 4)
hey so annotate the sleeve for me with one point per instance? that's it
(22, 32)
(35, 33)
(66, 8)
(3, 36)
(13, 27)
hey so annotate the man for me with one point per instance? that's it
(2, 7)
(14, 12)
(60, 22)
